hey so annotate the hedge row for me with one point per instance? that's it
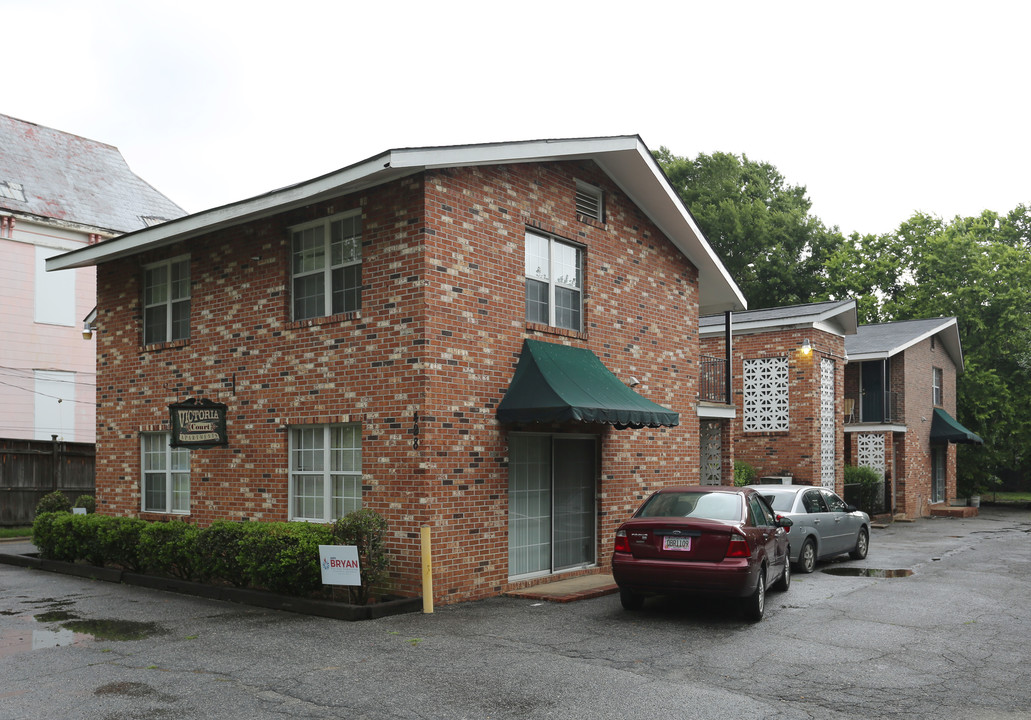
(282, 557)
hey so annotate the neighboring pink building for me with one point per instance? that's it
(58, 192)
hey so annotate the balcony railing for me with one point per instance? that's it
(874, 407)
(712, 385)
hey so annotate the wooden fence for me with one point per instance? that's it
(30, 469)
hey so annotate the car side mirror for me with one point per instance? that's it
(784, 522)
(850, 508)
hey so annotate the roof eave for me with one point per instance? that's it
(625, 159)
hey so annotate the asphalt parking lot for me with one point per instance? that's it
(951, 640)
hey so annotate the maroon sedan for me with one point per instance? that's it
(702, 540)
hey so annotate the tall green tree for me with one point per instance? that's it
(977, 269)
(758, 224)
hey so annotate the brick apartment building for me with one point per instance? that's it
(900, 393)
(496, 341)
(788, 367)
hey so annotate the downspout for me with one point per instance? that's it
(728, 343)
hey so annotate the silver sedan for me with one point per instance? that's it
(823, 525)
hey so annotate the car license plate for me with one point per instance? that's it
(676, 543)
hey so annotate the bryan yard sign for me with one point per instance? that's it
(340, 565)
(198, 424)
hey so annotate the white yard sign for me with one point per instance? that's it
(340, 565)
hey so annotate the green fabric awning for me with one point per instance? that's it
(558, 383)
(945, 428)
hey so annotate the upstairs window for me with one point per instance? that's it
(590, 201)
(166, 301)
(326, 266)
(936, 385)
(554, 282)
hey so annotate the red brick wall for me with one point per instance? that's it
(439, 334)
(909, 452)
(796, 451)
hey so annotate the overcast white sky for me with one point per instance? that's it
(879, 108)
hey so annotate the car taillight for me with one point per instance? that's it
(787, 528)
(622, 543)
(738, 547)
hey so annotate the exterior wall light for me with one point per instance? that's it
(806, 347)
(87, 331)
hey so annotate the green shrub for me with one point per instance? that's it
(861, 475)
(221, 547)
(54, 502)
(120, 539)
(86, 501)
(45, 535)
(170, 548)
(744, 474)
(864, 488)
(366, 530)
(283, 557)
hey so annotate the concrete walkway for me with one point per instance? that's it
(562, 591)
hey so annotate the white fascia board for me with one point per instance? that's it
(509, 153)
(631, 166)
(948, 333)
(625, 159)
(365, 174)
(830, 321)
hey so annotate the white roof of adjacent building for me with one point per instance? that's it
(884, 340)
(58, 177)
(625, 159)
(836, 316)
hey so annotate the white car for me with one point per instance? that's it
(823, 525)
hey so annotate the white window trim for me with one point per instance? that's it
(937, 386)
(327, 271)
(168, 476)
(326, 473)
(169, 302)
(552, 283)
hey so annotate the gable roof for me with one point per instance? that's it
(625, 159)
(884, 340)
(835, 316)
(51, 174)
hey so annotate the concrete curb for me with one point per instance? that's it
(243, 596)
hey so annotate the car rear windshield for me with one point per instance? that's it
(780, 501)
(712, 506)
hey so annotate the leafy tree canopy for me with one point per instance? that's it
(757, 223)
(977, 269)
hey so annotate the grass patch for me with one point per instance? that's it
(15, 532)
(1015, 498)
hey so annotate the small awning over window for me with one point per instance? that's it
(557, 383)
(945, 428)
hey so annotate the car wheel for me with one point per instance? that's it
(630, 600)
(785, 580)
(807, 556)
(755, 604)
(862, 545)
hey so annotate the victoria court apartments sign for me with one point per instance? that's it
(198, 424)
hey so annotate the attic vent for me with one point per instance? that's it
(11, 191)
(589, 201)
(152, 220)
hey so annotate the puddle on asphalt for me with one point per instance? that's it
(73, 631)
(867, 572)
(55, 616)
(115, 629)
